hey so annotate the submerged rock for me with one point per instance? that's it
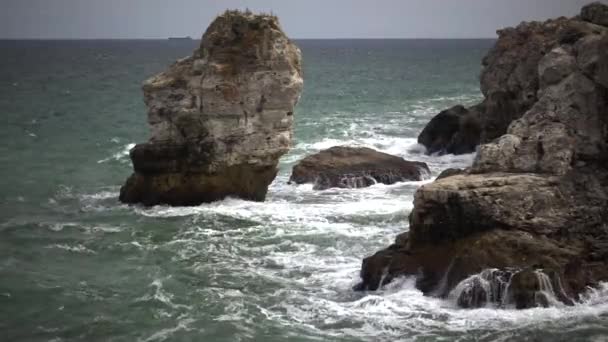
(220, 119)
(535, 198)
(355, 167)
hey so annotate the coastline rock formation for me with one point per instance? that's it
(510, 81)
(220, 119)
(527, 224)
(355, 167)
(453, 131)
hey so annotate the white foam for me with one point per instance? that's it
(164, 334)
(57, 227)
(121, 155)
(100, 195)
(161, 295)
(401, 307)
(72, 248)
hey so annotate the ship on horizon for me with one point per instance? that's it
(180, 38)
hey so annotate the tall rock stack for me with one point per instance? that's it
(220, 119)
(536, 198)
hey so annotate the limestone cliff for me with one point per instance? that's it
(534, 199)
(220, 119)
(509, 81)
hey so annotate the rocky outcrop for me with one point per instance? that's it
(533, 208)
(596, 13)
(220, 119)
(510, 80)
(455, 130)
(355, 167)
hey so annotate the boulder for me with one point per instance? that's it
(455, 130)
(355, 167)
(535, 198)
(221, 118)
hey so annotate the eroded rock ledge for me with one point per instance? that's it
(220, 119)
(532, 211)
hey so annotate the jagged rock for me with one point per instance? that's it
(555, 66)
(355, 167)
(510, 80)
(536, 197)
(221, 118)
(455, 130)
(567, 122)
(441, 265)
(596, 13)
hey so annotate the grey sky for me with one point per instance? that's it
(300, 18)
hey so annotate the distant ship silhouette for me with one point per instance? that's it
(180, 38)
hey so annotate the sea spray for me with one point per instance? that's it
(545, 296)
(485, 288)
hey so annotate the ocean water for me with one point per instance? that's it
(76, 265)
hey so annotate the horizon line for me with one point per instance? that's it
(337, 38)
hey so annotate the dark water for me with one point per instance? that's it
(77, 265)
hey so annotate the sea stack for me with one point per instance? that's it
(529, 219)
(221, 118)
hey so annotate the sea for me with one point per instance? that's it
(77, 265)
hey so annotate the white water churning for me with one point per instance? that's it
(509, 288)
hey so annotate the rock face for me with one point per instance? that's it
(221, 118)
(355, 167)
(510, 80)
(534, 205)
(596, 13)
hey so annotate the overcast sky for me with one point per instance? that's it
(299, 18)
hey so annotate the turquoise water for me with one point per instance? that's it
(76, 265)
